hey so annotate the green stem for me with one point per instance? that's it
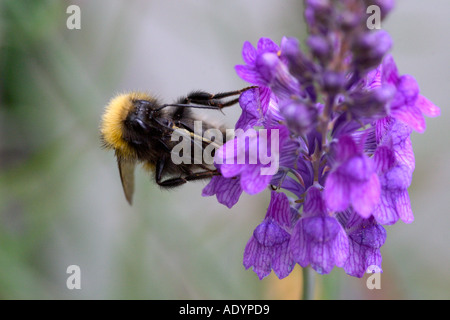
(308, 284)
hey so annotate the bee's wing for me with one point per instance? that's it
(126, 170)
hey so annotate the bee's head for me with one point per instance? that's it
(122, 119)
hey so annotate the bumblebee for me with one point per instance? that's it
(139, 129)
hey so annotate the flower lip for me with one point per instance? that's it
(321, 229)
(269, 234)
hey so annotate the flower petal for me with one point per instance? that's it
(269, 233)
(279, 209)
(365, 240)
(384, 159)
(282, 262)
(366, 196)
(252, 181)
(345, 148)
(259, 257)
(321, 229)
(226, 190)
(403, 207)
(248, 74)
(427, 107)
(394, 205)
(250, 102)
(336, 193)
(410, 115)
(251, 115)
(389, 70)
(409, 88)
(360, 259)
(267, 45)
(248, 53)
(308, 249)
(314, 203)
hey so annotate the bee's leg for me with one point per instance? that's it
(210, 99)
(202, 175)
(159, 171)
(205, 100)
(175, 182)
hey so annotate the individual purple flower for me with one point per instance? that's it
(258, 109)
(250, 71)
(318, 239)
(407, 105)
(251, 161)
(389, 140)
(366, 237)
(266, 67)
(268, 247)
(353, 180)
(395, 179)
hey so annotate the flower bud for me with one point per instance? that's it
(369, 49)
(300, 117)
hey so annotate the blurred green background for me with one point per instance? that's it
(61, 201)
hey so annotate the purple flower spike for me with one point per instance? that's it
(267, 249)
(317, 238)
(344, 116)
(353, 180)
